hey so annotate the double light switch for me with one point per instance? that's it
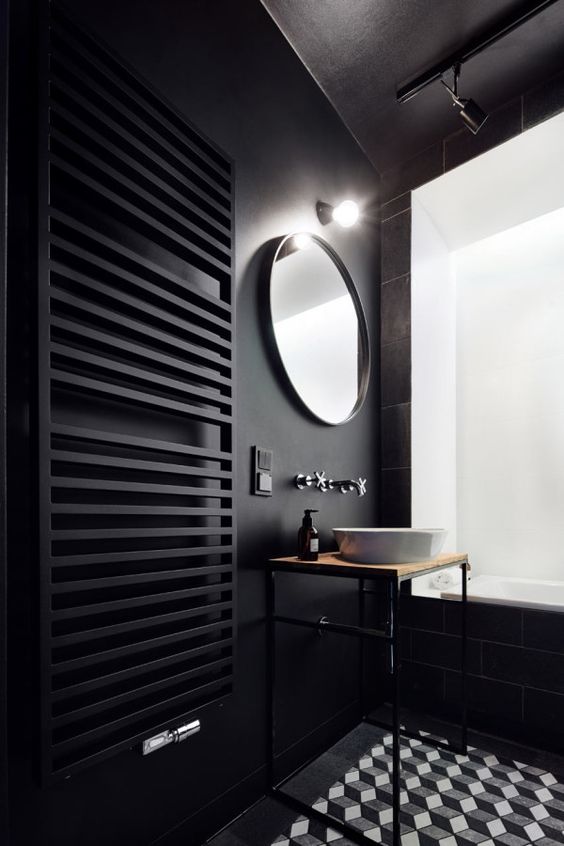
(262, 471)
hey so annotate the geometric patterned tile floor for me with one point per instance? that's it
(479, 799)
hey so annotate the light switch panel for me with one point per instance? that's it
(262, 460)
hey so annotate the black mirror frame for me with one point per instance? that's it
(364, 338)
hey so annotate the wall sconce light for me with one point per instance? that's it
(472, 115)
(345, 214)
(302, 241)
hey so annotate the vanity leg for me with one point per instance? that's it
(464, 632)
(362, 649)
(394, 623)
(270, 675)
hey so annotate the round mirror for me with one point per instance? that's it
(319, 327)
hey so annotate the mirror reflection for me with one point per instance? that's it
(319, 327)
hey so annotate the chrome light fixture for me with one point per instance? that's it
(346, 214)
(472, 115)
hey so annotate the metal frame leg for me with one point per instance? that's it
(464, 688)
(362, 649)
(271, 676)
(396, 739)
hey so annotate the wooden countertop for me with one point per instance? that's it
(332, 564)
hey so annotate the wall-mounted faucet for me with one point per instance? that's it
(323, 484)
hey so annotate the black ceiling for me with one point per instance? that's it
(360, 51)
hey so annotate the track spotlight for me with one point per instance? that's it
(345, 214)
(472, 115)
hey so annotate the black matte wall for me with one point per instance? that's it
(227, 68)
(511, 691)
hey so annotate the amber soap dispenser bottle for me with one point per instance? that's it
(308, 538)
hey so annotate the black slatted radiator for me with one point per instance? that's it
(136, 527)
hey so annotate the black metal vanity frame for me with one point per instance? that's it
(392, 576)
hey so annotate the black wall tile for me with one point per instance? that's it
(421, 612)
(393, 207)
(395, 310)
(396, 246)
(544, 709)
(501, 125)
(396, 498)
(543, 630)
(395, 377)
(423, 167)
(544, 101)
(532, 668)
(487, 622)
(445, 651)
(396, 436)
(487, 696)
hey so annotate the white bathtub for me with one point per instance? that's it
(505, 590)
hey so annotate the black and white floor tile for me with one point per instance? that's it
(447, 799)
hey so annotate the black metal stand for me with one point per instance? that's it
(390, 634)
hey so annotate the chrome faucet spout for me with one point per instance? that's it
(347, 485)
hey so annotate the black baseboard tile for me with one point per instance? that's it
(494, 699)
(498, 623)
(426, 165)
(529, 667)
(544, 101)
(396, 246)
(502, 124)
(543, 630)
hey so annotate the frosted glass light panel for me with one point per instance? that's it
(319, 328)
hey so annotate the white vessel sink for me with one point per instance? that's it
(389, 546)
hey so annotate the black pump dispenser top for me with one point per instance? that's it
(307, 521)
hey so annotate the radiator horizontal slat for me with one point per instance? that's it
(133, 305)
(81, 433)
(160, 233)
(151, 334)
(139, 578)
(136, 713)
(142, 625)
(134, 157)
(135, 375)
(121, 394)
(77, 233)
(60, 695)
(137, 111)
(159, 685)
(122, 186)
(69, 457)
(220, 630)
(134, 602)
